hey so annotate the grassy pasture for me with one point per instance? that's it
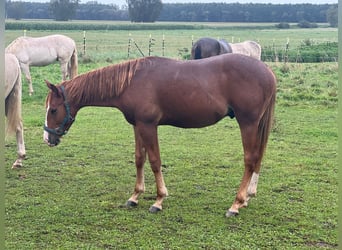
(72, 196)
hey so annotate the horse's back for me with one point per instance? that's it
(27, 43)
(225, 69)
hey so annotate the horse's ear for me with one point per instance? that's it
(52, 87)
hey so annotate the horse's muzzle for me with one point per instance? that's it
(51, 139)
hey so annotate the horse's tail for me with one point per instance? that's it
(258, 51)
(255, 49)
(13, 107)
(266, 123)
(73, 67)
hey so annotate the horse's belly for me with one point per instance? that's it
(43, 57)
(193, 110)
(194, 118)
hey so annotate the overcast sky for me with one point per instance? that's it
(122, 2)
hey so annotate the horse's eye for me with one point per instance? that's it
(53, 111)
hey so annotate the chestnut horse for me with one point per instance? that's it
(155, 91)
(42, 51)
(13, 105)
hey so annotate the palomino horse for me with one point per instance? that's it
(248, 48)
(207, 47)
(42, 51)
(13, 105)
(155, 91)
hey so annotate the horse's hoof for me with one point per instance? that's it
(231, 214)
(154, 209)
(17, 165)
(131, 203)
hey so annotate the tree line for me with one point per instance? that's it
(154, 10)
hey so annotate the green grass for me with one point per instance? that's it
(73, 196)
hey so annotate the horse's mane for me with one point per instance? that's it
(103, 83)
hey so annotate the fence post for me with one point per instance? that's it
(163, 45)
(150, 43)
(276, 59)
(286, 56)
(84, 42)
(129, 45)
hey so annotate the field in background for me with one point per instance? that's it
(72, 196)
(170, 41)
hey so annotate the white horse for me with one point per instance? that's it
(248, 48)
(42, 51)
(13, 105)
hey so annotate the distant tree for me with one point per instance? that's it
(63, 10)
(283, 25)
(332, 16)
(306, 24)
(15, 10)
(144, 10)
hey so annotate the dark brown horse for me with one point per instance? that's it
(156, 91)
(207, 47)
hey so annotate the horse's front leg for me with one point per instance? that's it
(140, 158)
(149, 138)
(253, 152)
(20, 147)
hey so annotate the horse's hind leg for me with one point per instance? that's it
(20, 146)
(26, 70)
(252, 160)
(64, 70)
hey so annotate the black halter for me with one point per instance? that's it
(68, 118)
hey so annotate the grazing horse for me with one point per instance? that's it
(155, 91)
(42, 51)
(207, 47)
(13, 105)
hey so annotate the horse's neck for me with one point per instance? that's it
(102, 87)
(90, 95)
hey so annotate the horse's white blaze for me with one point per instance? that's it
(46, 134)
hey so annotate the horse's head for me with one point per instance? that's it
(58, 117)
